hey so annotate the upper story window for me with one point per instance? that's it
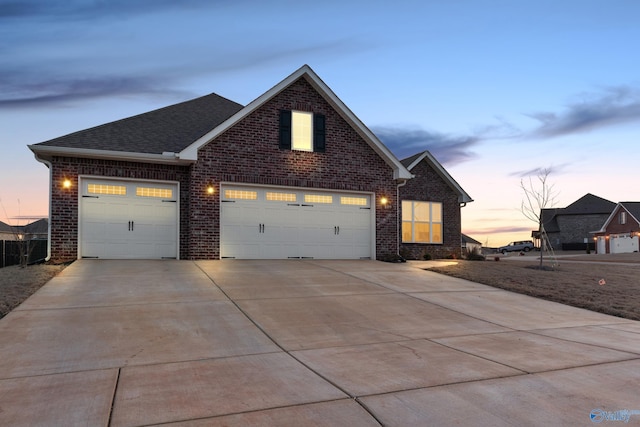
(300, 130)
(623, 218)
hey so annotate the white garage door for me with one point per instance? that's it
(280, 223)
(623, 243)
(127, 219)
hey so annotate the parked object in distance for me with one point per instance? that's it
(524, 245)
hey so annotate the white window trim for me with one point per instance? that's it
(430, 222)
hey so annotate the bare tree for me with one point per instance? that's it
(538, 195)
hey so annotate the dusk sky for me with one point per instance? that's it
(496, 89)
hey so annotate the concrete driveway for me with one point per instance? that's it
(302, 343)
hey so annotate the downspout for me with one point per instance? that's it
(48, 164)
(398, 228)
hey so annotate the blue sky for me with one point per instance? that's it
(496, 89)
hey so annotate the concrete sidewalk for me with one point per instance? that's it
(358, 343)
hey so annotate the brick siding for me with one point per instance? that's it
(64, 202)
(429, 186)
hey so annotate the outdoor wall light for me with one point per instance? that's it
(210, 189)
(384, 201)
(66, 184)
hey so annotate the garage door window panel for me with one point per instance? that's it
(163, 193)
(241, 194)
(273, 196)
(107, 190)
(318, 198)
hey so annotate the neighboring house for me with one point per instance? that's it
(7, 232)
(470, 245)
(620, 233)
(294, 174)
(569, 228)
(431, 219)
(35, 230)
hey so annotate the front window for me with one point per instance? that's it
(421, 222)
(623, 218)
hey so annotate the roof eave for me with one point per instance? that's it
(47, 152)
(399, 171)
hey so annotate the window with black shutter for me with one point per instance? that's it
(302, 131)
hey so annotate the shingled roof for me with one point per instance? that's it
(589, 204)
(633, 208)
(168, 129)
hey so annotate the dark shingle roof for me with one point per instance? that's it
(37, 227)
(589, 204)
(407, 162)
(6, 228)
(633, 208)
(168, 129)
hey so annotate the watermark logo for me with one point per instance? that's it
(600, 415)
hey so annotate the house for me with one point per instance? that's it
(7, 232)
(293, 174)
(34, 230)
(431, 202)
(469, 245)
(620, 233)
(570, 228)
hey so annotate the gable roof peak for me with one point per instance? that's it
(416, 159)
(399, 171)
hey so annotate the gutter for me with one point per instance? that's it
(43, 151)
(398, 229)
(50, 166)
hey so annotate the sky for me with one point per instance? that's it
(498, 90)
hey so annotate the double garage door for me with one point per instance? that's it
(280, 223)
(128, 219)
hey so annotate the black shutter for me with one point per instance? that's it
(285, 130)
(318, 133)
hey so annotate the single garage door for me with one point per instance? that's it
(280, 223)
(128, 219)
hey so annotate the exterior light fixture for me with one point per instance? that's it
(210, 189)
(384, 201)
(66, 184)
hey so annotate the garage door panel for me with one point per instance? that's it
(128, 224)
(301, 226)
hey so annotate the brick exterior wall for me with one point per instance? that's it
(247, 153)
(614, 227)
(429, 186)
(64, 202)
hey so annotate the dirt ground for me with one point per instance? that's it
(18, 283)
(604, 283)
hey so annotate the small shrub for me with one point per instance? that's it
(475, 255)
(427, 256)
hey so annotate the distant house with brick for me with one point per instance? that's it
(293, 174)
(431, 202)
(571, 228)
(620, 233)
